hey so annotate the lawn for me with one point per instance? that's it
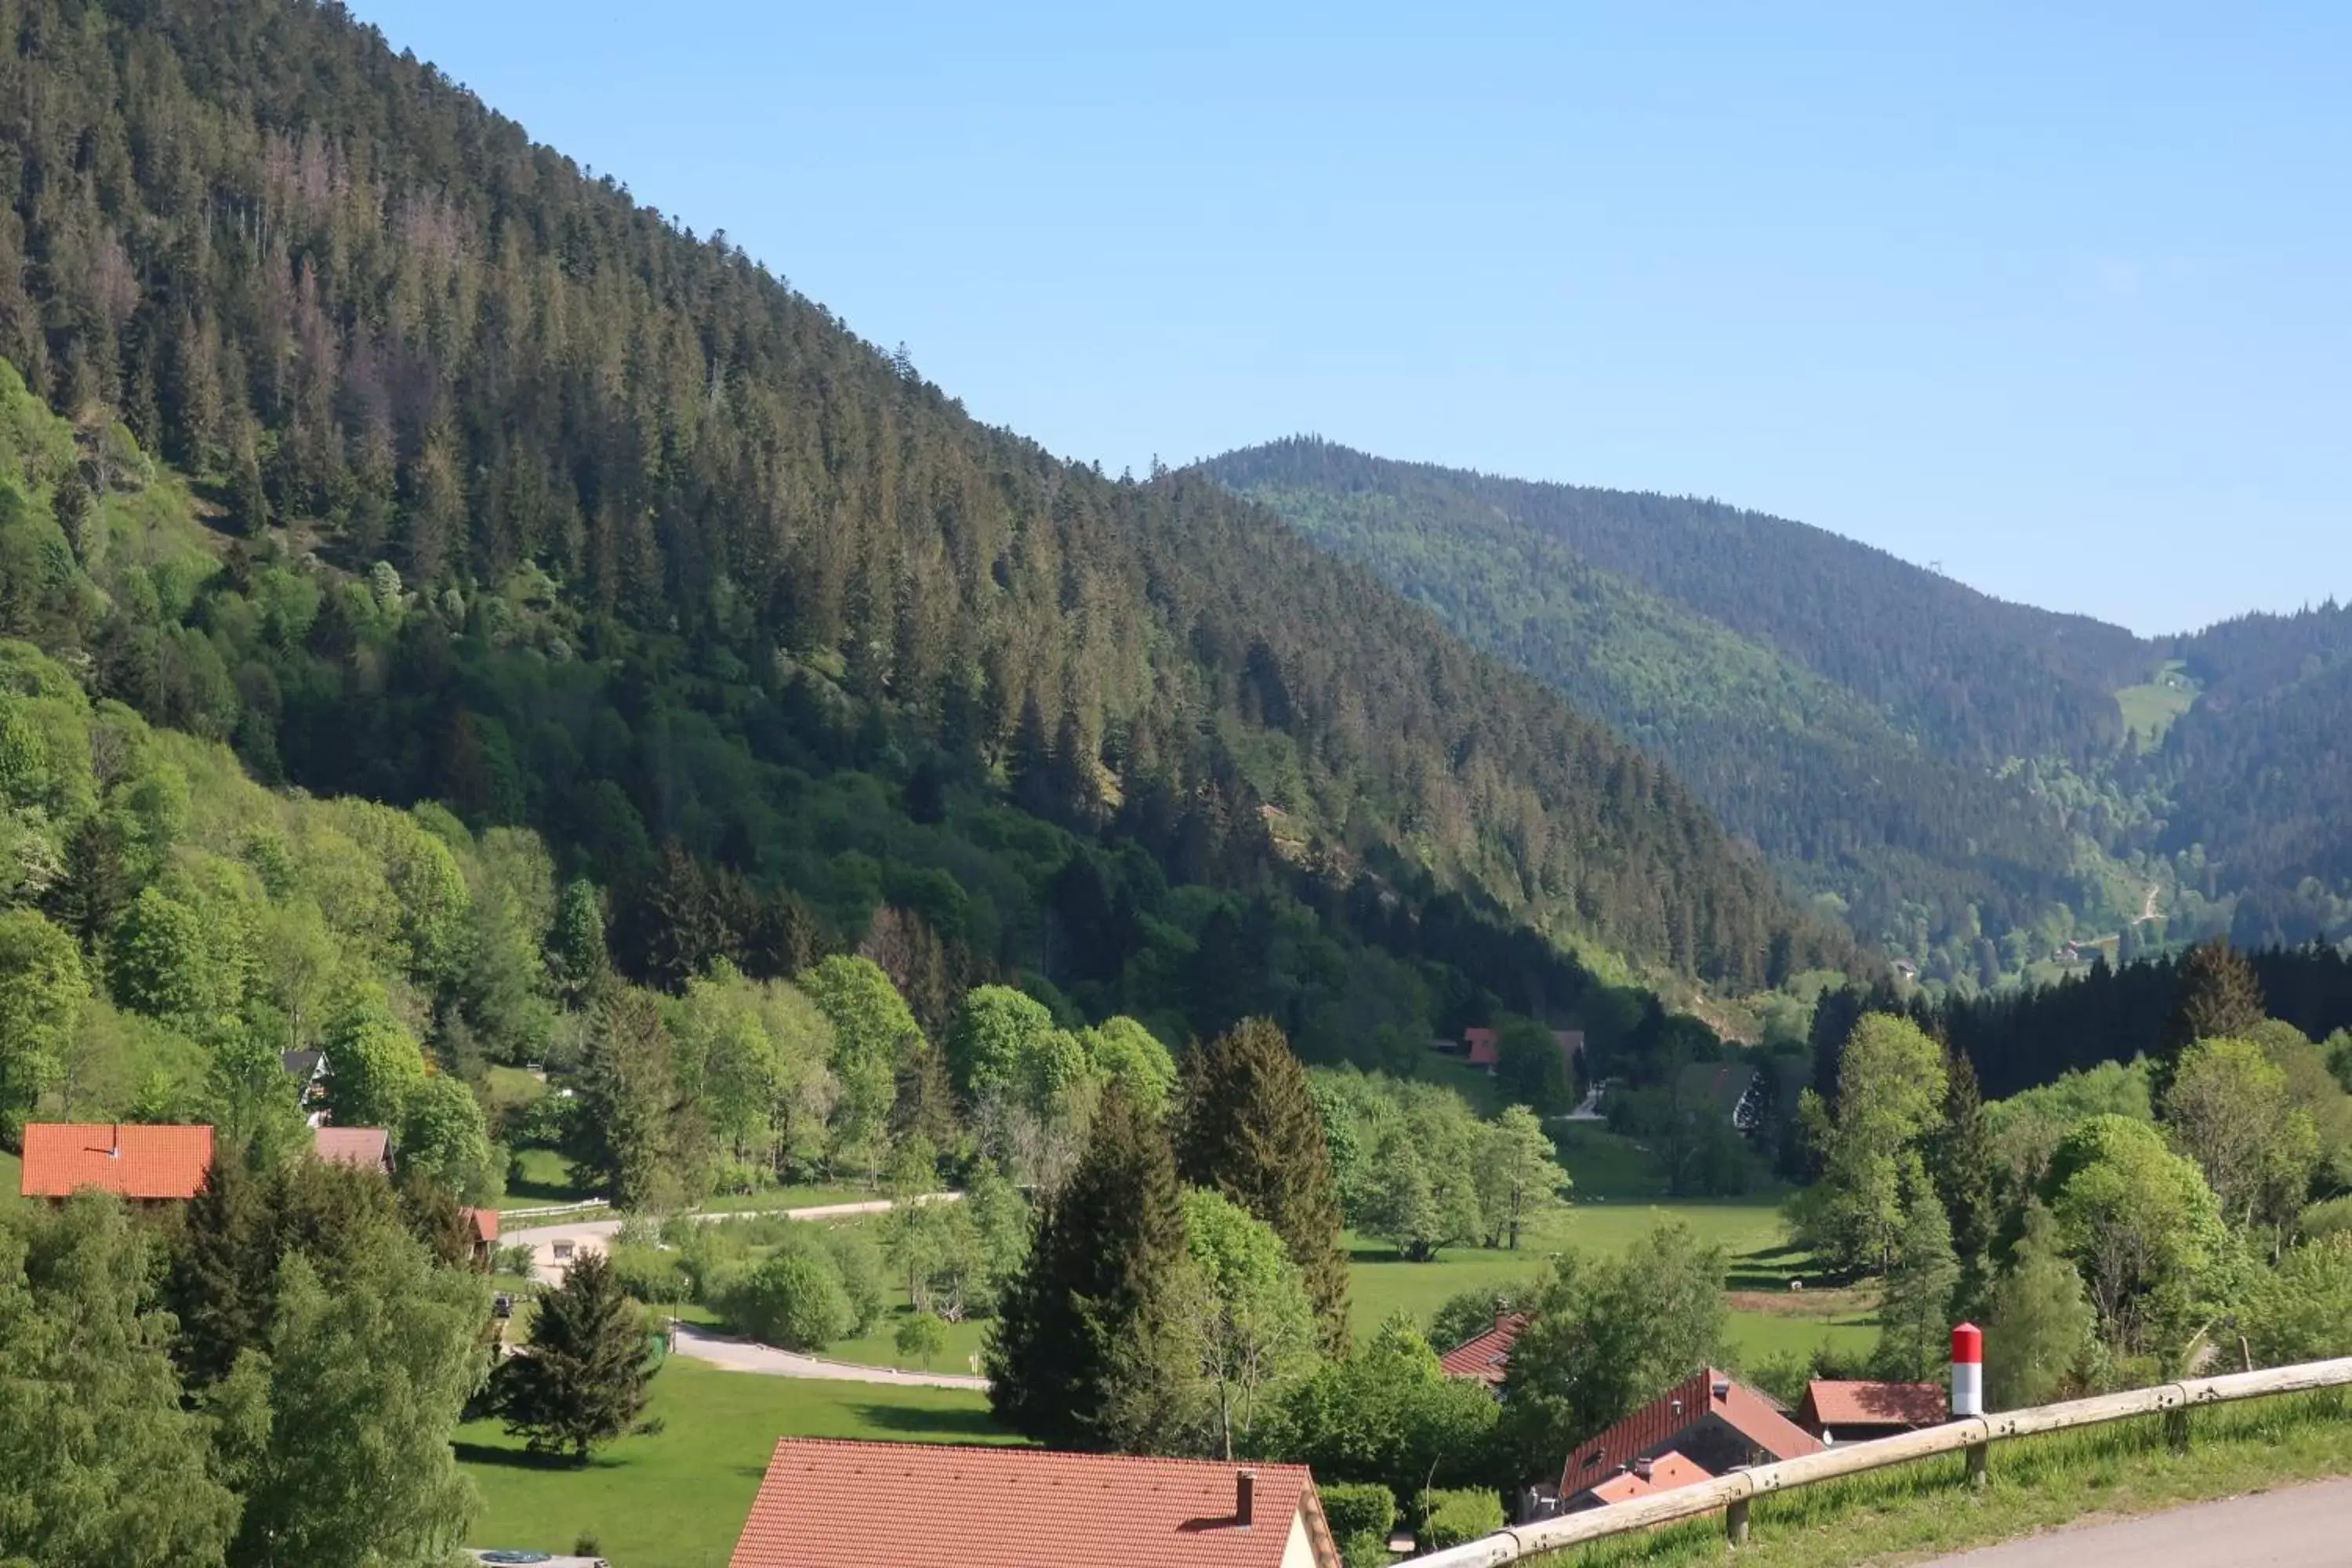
(2150, 709)
(545, 1180)
(677, 1499)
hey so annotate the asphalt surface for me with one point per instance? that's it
(2297, 1527)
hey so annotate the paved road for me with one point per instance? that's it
(2299, 1527)
(744, 1355)
(584, 1235)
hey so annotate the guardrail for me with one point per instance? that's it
(583, 1207)
(1732, 1492)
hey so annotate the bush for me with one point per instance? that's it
(793, 1300)
(1458, 1516)
(1365, 1550)
(649, 1274)
(2323, 1220)
(1359, 1508)
(920, 1338)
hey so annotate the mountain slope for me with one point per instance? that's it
(1847, 712)
(553, 512)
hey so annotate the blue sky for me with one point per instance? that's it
(2063, 303)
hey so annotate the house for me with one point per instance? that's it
(1708, 1419)
(1838, 1412)
(145, 1164)
(1645, 1477)
(1486, 1047)
(1486, 1357)
(308, 1069)
(485, 1227)
(833, 1504)
(362, 1147)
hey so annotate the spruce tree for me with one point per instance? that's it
(583, 1382)
(1090, 1349)
(1252, 1132)
(2216, 997)
(1960, 1159)
(1915, 1317)
(223, 1280)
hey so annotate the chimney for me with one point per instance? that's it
(1642, 1468)
(1244, 1497)
(1723, 1388)
(115, 1152)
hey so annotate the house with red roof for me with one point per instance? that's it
(145, 1164)
(1486, 1357)
(1847, 1412)
(1708, 1419)
(1486, 1047)
(835, 1504)
(362, 1147)
(1643, 1478)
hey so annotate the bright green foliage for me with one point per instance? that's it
(1092, 1349)
(576, 959)
(1258, 1328)
(1126, 1053)
(42, 991)
(1361, 1514)
(1466, 1314)
(1252, 1130)
(920, 1337)
(870, 1023)
(1420, 1187)
(631, 1134)
(1914, 1315)
(443, 1134)
(1387, 1414)
(757, 1054)
(2026, 1129)
(101, 1466)
(2039, 1327)
(2142, 1227)
(250, 1102)
(1605, 1335)
(584, 1382)
(1458, 1515)
(2302, 1310)
(983, 1245)
(1518, 1175)
(161, 963)
(374, 1063)
(1891, 1091)
(793, 1300)
(2228, 1108)
(997, 1033)
(2315, 1091)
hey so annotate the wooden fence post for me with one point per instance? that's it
(1734, 1521)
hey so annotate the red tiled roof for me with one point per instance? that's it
(828, 1504)
(63, 1157)
(1667, 1471)
(1832, 1404)
(369, 1147)
(1658, 1424)
(1485, 1046)
(1486, 1356)
(485, 1223)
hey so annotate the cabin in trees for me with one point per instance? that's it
(144, 1164)
(829, 1504)
(361, 1148)
(1708, 1422)
(1844, 1412)
(1486, 1357)
(1482, 1049)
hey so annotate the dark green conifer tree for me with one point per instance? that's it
(1250, 1132)
(1090, 1349)
(1960, 1159)
(583, 1382)
(224, 1265)
(2217, 996)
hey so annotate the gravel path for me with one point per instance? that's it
(743, 1355)
(552, 1246)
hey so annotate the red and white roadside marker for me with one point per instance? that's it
(1967, 1371)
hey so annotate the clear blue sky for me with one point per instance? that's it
(2063, 303)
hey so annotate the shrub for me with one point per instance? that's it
(649, 1274)
(920, 1338)
(1458, 1516)
(2322, 1220)
(1359, 1508)
(1365, 1550)
(793, 1300)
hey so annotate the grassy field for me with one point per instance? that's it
(2150, 709)
(964, 1342)
(677, 1499)
(1925, 1510)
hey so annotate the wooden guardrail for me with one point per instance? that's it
(1731, 1493)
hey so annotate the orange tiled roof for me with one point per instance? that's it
(369, 1147)
(1660, 1424)
(1486, 1356)
(1667, 1471)
(828, 1504)
(1833, 1403)
(485, 1223)
(1486, 1047)
(63, 1157)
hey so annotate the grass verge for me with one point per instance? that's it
(678, 1499)
(1925, 1511)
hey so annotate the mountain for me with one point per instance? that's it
(1859, 719)
(515, 496)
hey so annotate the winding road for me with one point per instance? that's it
(2296, 1527)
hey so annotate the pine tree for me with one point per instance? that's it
(583, 1382)
(222, 1284)
(1251, 1131)
(1960, 1159)
(2218, 996)
(1090, 1348)
(1915, 1317)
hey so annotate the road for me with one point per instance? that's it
(552, 1246)
(2298, 1527)
(745, 1355)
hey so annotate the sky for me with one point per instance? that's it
(2057, 304)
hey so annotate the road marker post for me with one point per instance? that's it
(1967, 1392)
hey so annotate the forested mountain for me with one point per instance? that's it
(1979, 787)
(518, 497)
